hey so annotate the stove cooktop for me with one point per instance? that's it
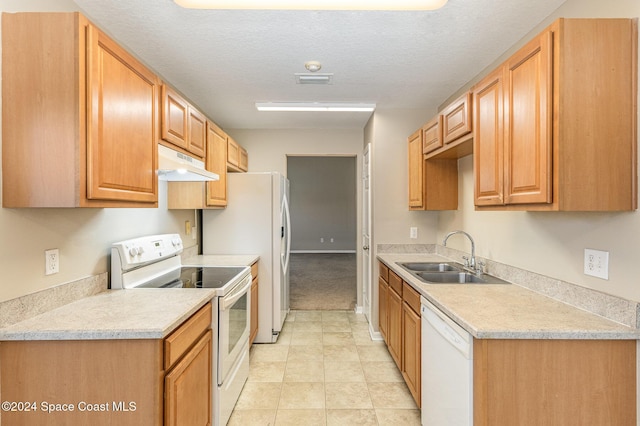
(202, 277)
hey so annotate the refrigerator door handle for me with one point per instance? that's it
(287, 233)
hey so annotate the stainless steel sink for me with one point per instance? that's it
(431, 266)
(447, 273)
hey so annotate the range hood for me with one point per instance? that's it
(175, 166)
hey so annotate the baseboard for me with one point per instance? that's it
(322, 251)
(375, 335)
(358, 310)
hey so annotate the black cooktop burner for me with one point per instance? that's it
(199, 277)
(207, 277)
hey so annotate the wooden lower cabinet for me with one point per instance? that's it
(411, 341)
(109, 382)
(394, 332)
(383, 311)
(554, 382)
(253, 329)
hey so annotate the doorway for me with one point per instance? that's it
(323, 204)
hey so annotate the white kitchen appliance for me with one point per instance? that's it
(256, 221)
(155, 262)
(447, 370)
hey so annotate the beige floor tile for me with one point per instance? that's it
(351, 417)
(337, 338)
(306, 353)
(336, 326)
(266, 371)
(359, 326)
(374, 353)
(304, 371)
(391, 395)
(343, 372)
(301, 396)
(307, 326)
(353, 317)
(256, 395)
(252, 417)
(347, 396)
(364, 338)
(291, 316)
(308, 316)
(306, 338)
(335, 316)
(284, 338)
(398, 417)
(381, 371)
(300, 418)
(340, 353)
(265, 352)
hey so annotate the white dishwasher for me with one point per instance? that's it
(447, 370)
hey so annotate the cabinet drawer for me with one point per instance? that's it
(178, 342)
(384, 272)
(411, 297)
(457, 119)
(395, 282)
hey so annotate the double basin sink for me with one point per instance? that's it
(447, 273)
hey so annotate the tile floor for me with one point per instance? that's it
(324, 370)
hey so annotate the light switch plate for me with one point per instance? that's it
(596, 263)
(413, 232)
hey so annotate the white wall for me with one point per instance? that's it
(83, 236)
(553, 243)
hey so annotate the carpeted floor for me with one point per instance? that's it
(323, 281)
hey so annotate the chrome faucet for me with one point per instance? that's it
(468, 262)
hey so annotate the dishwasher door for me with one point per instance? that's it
(447, 370)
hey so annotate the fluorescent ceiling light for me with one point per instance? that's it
(315, 106)
(314, 4)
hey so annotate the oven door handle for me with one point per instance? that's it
(231, 298)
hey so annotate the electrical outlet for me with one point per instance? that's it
(596, 263)
(331, 239)
(413, 232)
(51, 262)
(321, 240)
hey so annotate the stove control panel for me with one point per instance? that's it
(136, 252)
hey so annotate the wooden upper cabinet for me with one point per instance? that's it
(183, 126)
(233, 154)
(432, 135)
(528, 123)
(217, 163)
(488, 140)
(244, 160)
(564, 119)
(416, 194)
(79, 116)
(457, 119)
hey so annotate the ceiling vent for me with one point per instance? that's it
(315, 78)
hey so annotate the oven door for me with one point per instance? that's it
(233, 322)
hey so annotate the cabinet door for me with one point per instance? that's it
(416, 188)
(457, 119)
(432, 135)
(197, 133)
(528, 123)
(121, 124)
(488, 140)
(188, 387)
(411, 351)
(244, 160)
(175, 118)
(383, 313)
(233, 153)
(394, 333)
(217, 163)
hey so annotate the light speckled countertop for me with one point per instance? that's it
(114, 314)
(508, 311)
(123, 314)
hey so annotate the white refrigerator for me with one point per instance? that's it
(256, 221)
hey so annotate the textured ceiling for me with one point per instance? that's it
(225, 61)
